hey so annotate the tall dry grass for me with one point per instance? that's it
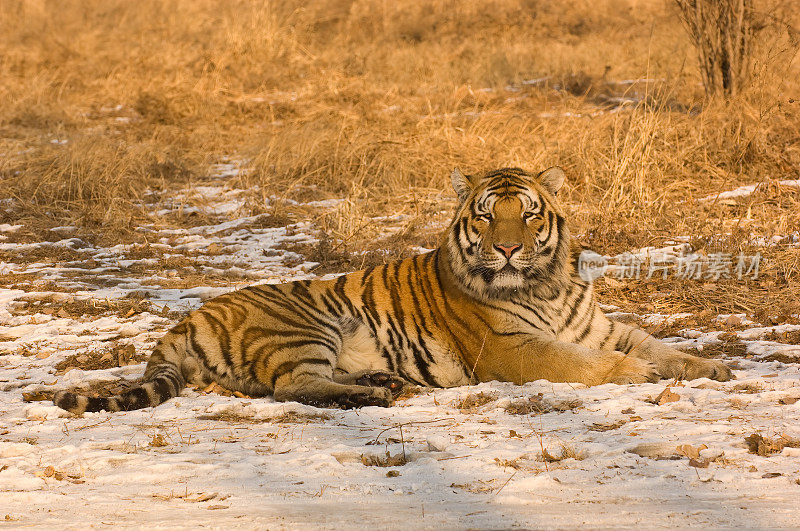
(101, 101)
(734, 37)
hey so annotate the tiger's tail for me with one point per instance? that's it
(163, 379)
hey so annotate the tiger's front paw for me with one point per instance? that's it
(627, 369)
(691, 367)
(393, 383)
(364, 397)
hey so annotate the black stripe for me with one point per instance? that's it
(575, 308)
(611, 327)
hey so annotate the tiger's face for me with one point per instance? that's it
(509, 233)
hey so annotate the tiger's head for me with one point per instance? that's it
(509, 233)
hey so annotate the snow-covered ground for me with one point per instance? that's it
(494, 455)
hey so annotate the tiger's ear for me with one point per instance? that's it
(461, 184)
(552, 179)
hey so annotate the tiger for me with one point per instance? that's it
(500, 298)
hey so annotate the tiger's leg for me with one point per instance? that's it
(670, 363)
(309, 380)
(526, 358)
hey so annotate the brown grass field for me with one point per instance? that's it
(107, 104)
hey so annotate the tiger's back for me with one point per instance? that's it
(264, 339)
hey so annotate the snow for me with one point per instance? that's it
(226, 462)
(746, 190)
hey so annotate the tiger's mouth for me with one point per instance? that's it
(508, 269)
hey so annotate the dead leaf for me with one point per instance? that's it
(690, 451)
(50, 472)
(788, 400)
(666, 396)
(158, 441)
(548, 457)
(770, 475)
(37, 396)
(63, 313)
(607, 426)
(699, 463)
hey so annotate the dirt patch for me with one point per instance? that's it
(783, 358)
(118, 356)
(471, 403)
(74, 308)
(749, 388)
(192, 280)
(790, 337)
(607, 426)
(49, 254)
(286, 418)
(537, 404)
(730, 346)
(26, 282)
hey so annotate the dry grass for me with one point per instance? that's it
(537, 404)
(107, 105)
(119, 356)
(284, 418)
(733, 36)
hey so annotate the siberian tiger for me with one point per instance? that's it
(499, 299)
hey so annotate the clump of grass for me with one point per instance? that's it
(766, 446)
(471, 403)
(537, 404)
(91, 181)
(388, 460)
(567, 451)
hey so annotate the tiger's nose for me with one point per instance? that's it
(508, 249)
